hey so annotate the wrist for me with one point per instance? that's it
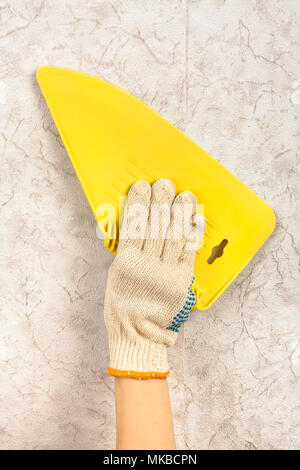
(140, 359)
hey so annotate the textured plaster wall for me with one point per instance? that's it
(227, 74)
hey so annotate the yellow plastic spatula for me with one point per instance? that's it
(113, 139)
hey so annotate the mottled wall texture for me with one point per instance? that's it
(226, 73)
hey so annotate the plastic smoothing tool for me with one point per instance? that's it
(113, 140)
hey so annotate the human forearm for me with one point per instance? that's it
(143, 414)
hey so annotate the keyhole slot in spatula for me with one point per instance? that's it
(217, 251)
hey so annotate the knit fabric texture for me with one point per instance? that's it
(184, 313)
(149, 281)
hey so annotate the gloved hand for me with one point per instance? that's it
(148, 293)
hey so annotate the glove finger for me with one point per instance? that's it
(182, 210)
(135, 217)
(162, 197)
(194, 240)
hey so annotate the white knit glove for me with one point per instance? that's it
(148, 293)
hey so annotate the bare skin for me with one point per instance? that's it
(143, 414)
